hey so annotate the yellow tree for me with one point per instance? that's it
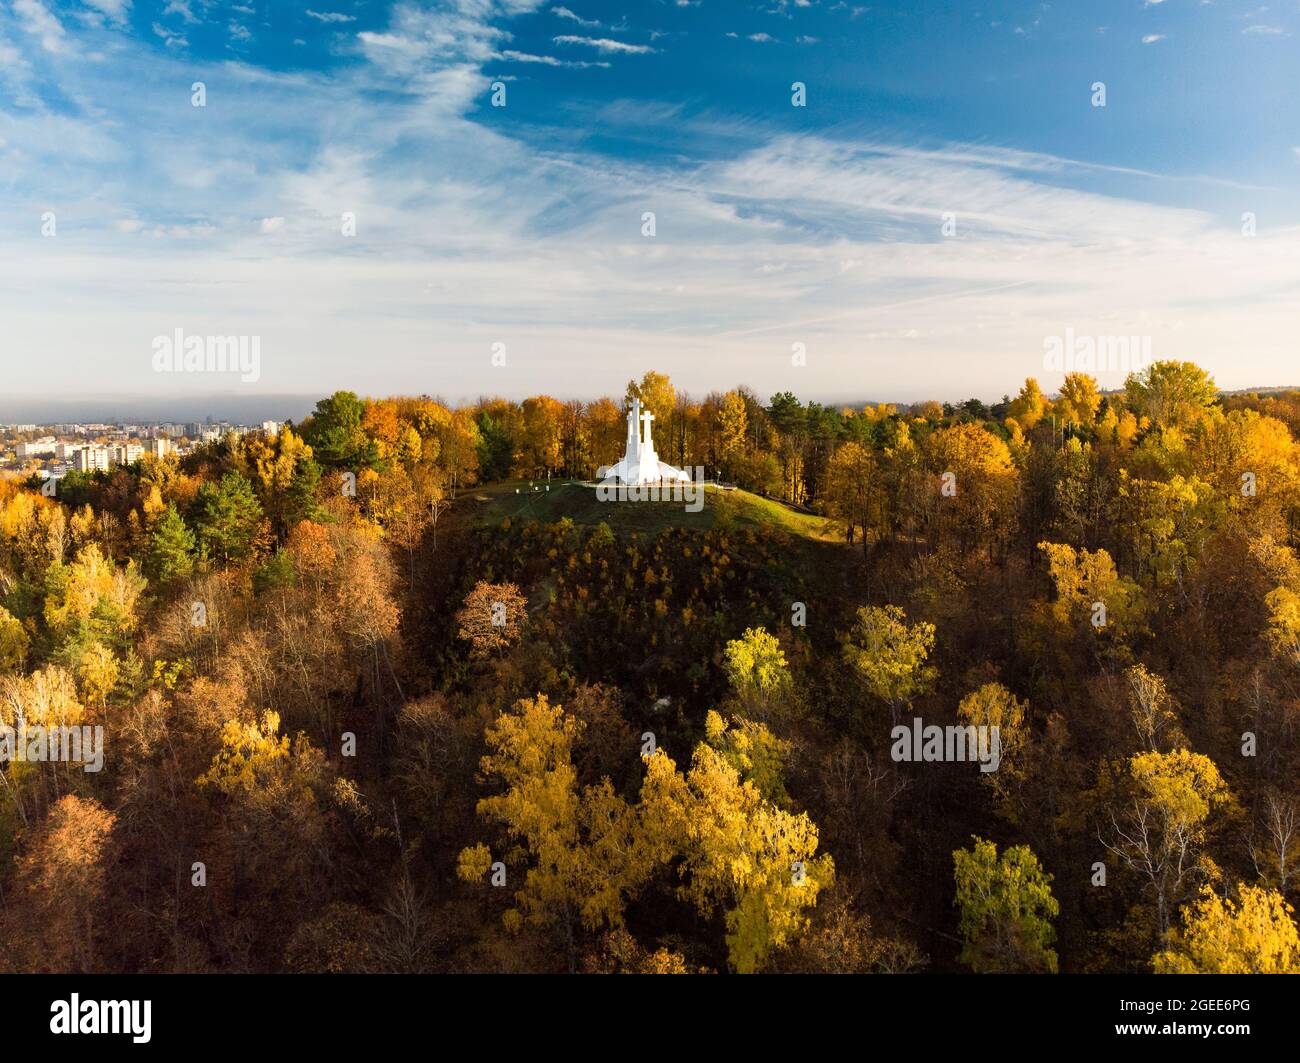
(757, 862)
(658, 395)
(756, 753)
(1170, 393)
(1079, 400)
(1255, 463)
(271, 824)
(1092, 599)
(1159, 824)
(732, 424)
(1284, 623)
(47, 698)
(607, 432)
(584, 852)
(1152, 710)
(890, 655)
(542, 444)
(973, 484)
(1255, 934)
(1029, 406)
(272, 465)
(994, 706)
(852, 493)
(756, 668)
(459, 448)
(13, 642)
(97, 671)
(93, 596)
(1167, 522)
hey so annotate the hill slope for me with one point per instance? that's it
(520, 500)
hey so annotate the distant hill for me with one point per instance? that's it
(118, 409)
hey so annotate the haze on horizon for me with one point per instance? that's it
(523, 225)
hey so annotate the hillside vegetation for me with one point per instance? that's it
(369, 703)
(518, 500)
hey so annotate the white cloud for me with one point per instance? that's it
(169, 38)
(604, 44)
(330, 16)
(1270, 31)
(448, 32)
(564, 12)
(468, 236)
(182, 8)
(15, 72)
(37, 20)
(550, 60)
(114, 10)
(1151, 38)
(761, 38)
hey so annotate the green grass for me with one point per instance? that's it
(492, 504)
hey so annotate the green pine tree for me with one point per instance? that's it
(228, 518)
(171, 548)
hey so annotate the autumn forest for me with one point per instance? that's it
(391, 690)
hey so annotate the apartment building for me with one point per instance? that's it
(37, 448)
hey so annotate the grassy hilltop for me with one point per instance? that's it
(492, 504)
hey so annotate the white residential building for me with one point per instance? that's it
(38, 448)
(91, 458)
(124, 453)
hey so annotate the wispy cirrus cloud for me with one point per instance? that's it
(550, 60)
(446, 33)
(330, 16)
(115, 11)
(181, 8)
(564, 12)
(604, 44)
(469, 233)
(169, 37)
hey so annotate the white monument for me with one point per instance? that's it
(640, 464)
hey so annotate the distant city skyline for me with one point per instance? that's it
(947, 200)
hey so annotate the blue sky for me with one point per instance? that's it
(521, 224)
